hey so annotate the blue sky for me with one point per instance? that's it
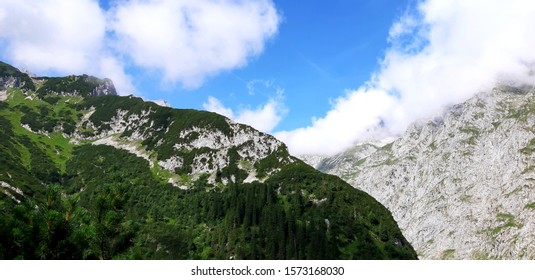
(321, 49)
(319, 75)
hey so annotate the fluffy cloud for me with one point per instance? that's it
(185, 40)
(189, 40)
(441, 53)
(56, 35)
(61, 37)
(264, 118)
(113, 68)
(351, 117)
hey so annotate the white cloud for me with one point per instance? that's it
(62, 37)
(256, 86)
(52, 34)
(264, 118)
(350, 117)
(214, 105)
(189, 40)
(113, 68)
(440, 55)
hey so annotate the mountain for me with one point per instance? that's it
(461, 185)
(87, 174)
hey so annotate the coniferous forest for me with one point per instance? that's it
(66, 198)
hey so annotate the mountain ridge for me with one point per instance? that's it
(460, 185)
(99, 176)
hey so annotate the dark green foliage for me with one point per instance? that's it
(42, 166)
(232, 170)
(123, 212)
(272, 161)
(7, 133)
(228, 213)
(106, 203)
(51, 99)
(7, 70)
(47, 120)
(107, 107)
(247, 221)
(39, 121)
(12, 169)
(83, 85)
(166, 123)
(53, 229)
(363, 228)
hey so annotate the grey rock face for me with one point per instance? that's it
(103, 86)
(461, 186)
(9, 82)
(211, 150)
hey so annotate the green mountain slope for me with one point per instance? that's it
(86, 174)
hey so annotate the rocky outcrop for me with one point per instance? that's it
(192, 150)
(461, 185)
(11, 77)
(74, 85)
(103, 86)
(12, 192)
(9, 82)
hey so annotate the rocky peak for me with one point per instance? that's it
(102, 86)
(83, 85)
(71, 140)
(9, 82)
(11, 77)
(182, 142)
(460, 185)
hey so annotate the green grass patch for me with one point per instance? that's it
(522, 112)
(473, 132)
(530, 148)
(466, 198)
(388, 147)
(528, 169)
(448, 254)
(360, 162)
(481, 255)
(507, 220)
(55, 146)
(530, 205)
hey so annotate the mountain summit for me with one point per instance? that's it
(87, 174)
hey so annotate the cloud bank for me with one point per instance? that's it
(189, 40)
(184, 40)
(441, 53)
(264, 118)
(53, 35)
